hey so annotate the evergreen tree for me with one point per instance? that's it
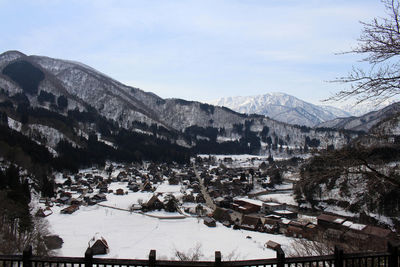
(62, 102)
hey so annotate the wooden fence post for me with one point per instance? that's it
(280, 256)
(152, 258)
(26, 256)
(394, 254)
(89, 258)
(338, 257)
(218, 258)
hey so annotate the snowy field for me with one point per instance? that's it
(132, 235)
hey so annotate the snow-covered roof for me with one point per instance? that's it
(96, 237)
(251, 201)
(283, 211)
(357, 226)
(347, 223)
(47, 212)
(339, 220)
(272, 204)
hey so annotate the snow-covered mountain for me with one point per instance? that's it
(365, 107)
(282, 107)
(37, 86)
(366, 121)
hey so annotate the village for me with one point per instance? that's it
(248, 194)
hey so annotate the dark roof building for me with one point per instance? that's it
(251, 223)
(98, 245)
(210, 222)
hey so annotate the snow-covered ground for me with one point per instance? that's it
(132, 235)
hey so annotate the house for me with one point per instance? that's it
(271, 224)
(246, 206)
(53, 242)
(63, 200)
(222, 215)
(378, 233)
(188, 198)
(333, 234)
(283, 225)
(251, 223)
(69, 210)
(74, 201)
(74, 188)
(330, 221)
(122, 175)
(285, 214)
(44, 212)
(154, 203)
(119, 192)
(354, 238)
(300, 224)
(98, 245)
(89, 201)
(133, 187)
(200, 198)
(103, 189)
(273, 245)
(294, 231)
(65, 194)
(269, 207)
(99, 197)
(379, 236)
(147, 186)
(218, 200)
(210, 222)
(310, 231)
(355, 227)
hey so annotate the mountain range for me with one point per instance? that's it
(289, 109)
(67, 106)
(365, 122)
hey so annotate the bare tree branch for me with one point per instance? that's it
(380, 44)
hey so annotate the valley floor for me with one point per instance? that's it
(133, 235)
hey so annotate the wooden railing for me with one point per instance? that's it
(389, 258)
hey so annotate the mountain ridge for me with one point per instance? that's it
(96, 103)
(364, 122)
(282, 107)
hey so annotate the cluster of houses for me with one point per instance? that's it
(343, 230)
(336, 229)
(224, 186)
(92, 187)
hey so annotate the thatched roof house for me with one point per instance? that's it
(98, 245)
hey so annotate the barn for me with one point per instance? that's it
(98, 245)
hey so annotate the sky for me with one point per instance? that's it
(197, 50)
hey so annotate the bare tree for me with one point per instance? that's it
(379, 43)
(321, 245)
(303, 247)
(193, 254)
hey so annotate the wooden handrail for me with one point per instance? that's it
(338, 259)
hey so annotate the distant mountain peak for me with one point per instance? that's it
(282, 107)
